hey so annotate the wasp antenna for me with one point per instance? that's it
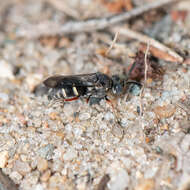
(133, 82)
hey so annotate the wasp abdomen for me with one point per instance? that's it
(67, 92)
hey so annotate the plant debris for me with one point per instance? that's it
(155, 71)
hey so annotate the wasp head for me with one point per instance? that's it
(117, 85)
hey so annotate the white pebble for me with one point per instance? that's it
(4, 155)
(15, 176)
(70, 154)
(119, 181)
(84, 116)
(6, 70)
(185, 144)
(4, 97)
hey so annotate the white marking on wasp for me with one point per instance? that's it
(75, 91)
(59, 95)
(50, 90)
(64, 93)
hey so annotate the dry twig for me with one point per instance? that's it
(143, 87)
(145, 79)
(87, 26)
(113, 43)
(145, 39)
(146, 64)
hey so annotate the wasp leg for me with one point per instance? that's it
(96, 95)
(56, 102)
(110, 102)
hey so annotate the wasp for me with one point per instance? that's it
(93, 86)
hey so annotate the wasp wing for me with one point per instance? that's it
(59, 81)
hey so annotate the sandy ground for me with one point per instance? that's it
(49, 146)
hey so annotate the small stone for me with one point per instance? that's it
(23, 157)
(84, 116)
(53, 116)
(4, 97)
(119, 180)
(117, 131)
(109, 116)
(147, 184)
(60, 134)
(42, 164)
(22, 167)
(40, 187)
(4, 156)
(46, 151)
(185, 143)
(6, 70)
(15, 176)
(164, 127)
(165, 111)
(56, 179)
(45, 176)
(70, 154)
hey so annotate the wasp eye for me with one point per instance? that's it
(117, 89)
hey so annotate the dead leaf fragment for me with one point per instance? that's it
(187, 61)
(159, 53)
(54, 41)
(102, 51)
(179, 15)
(117, 6)
(155, 71)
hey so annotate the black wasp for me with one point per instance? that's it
(93, 86)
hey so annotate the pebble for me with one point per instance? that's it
(23, 157)
(164, 127)
(70, 154)
(56, 179)
(185, 143)
(119, 181)
(4, 97)
(15, 176)
(117, 131)
(4, 156)
(53, 116)
(40, 187)
(42, 164)
(45, 176)
(84, 116)
(22, 167)
(46, 151)
(108, 116)
(6, 70)
(147, 184)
